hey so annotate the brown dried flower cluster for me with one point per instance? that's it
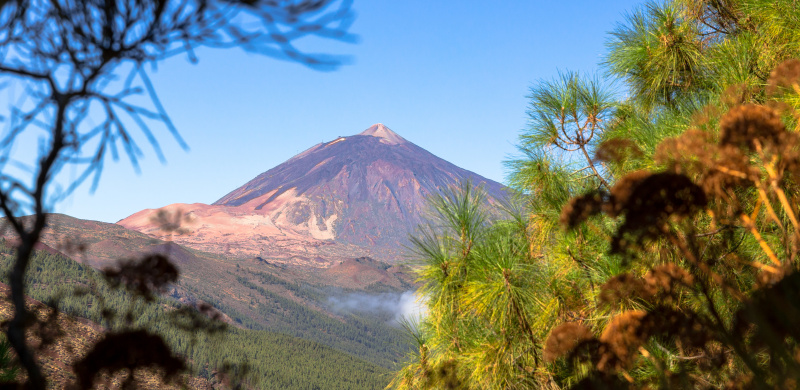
(622, 191)
(693, 143)
(730, 169)
(660, 283)
(785, 76)
(684, 327)
(617, 150)
(689, 152)
(650, 203)
(622, 288)
(717, 169)
(773, 312)
(655, 196)
(564, 338)
(128, 351)
(751, 124)
(647, 200)
(721, 168)
(666, 278)
(624, 335)
(618, 346)
(582, 207)
(689, 329)
(146, 276)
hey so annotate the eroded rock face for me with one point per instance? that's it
(354, 196)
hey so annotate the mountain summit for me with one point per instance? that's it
(362, 193)
(386, 134)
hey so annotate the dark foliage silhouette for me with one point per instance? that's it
(86, 95)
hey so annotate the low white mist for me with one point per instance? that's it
(398, 306)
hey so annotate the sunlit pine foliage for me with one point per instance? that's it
(655, 238)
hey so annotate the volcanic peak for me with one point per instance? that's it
(386, 134)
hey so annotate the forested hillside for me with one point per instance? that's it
(265, 359)
(293, 307)
(256, 293)
(656, 236)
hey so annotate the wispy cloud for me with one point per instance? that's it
(398, 305)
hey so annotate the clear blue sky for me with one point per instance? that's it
(449, 76)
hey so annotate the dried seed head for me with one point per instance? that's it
(773, 312)
(622, 191)
(617, 150)
(789, 163)
(693, 149)
(142, 349)
(564, 338)
(687, 327)
(146, 277)
(738, 94)
(172, 222)
(666, 278)
(621, 288)
(648, 203)
(730, 169)
(718, 168)
(624, 335)
(785, 76)
(744, 125)
(581, 208)
(662, 195)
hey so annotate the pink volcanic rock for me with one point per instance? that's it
(238, 231)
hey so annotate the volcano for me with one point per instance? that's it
(360, 195)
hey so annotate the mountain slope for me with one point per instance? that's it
(253, 293)
(369, 188)
(355, 196)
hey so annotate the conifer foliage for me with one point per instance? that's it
(661, 251)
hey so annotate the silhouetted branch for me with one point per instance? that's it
(66, 56)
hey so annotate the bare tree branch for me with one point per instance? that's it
(67, 55)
